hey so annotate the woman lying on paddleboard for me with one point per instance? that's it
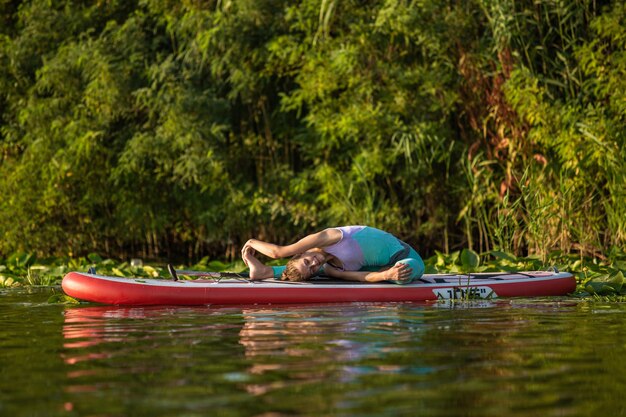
(354, 253)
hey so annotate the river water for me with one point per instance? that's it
(514, 357)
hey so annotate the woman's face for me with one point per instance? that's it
(309, 263)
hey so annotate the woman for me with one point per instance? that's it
(354, 253)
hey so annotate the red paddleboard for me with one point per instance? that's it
(141, 291)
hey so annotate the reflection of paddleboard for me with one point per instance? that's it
(141, 291)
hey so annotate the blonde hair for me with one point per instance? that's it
(291, 273)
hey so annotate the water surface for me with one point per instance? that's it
(515, 357)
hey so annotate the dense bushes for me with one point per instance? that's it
(183, 128)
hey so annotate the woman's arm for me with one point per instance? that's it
(316, 240)
(268, 249)
(398, 272)
(321, 239)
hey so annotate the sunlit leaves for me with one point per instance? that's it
(469, 260)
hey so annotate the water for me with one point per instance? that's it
(550, 357)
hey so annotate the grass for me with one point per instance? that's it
(598, 279)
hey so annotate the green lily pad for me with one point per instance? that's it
(469, 259)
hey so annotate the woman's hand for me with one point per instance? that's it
(399, 272)
(248, 245)
(246, 253)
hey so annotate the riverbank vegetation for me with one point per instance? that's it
(177, 130)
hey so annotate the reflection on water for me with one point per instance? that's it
(488, 358)
(314, 344)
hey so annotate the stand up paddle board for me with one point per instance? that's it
(141, 291)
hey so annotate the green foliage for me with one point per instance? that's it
(469, 260)
(22, 269)
(60, 298)
(175, 130)
(611, 285)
